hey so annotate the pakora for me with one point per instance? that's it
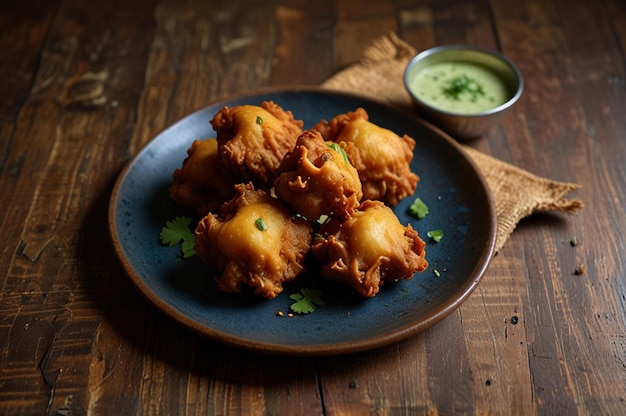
(382, 158)
(255, 242)
(252, 140)
(369, 249)
(316, 178)
(203, 183)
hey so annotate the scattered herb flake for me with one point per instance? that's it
(323, 219)
(260, 224)
(339, 150)
(436, 272)
(176, 231)
(436, 235)
(259, 120)
(573, 241)
(418, 209)
(306, 300)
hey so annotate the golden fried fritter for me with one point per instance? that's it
(252, 140)
(255, 242)
(316, 178)
(203, 183)
(382, 158)
(369, 249)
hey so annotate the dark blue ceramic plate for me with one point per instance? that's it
(459, 202)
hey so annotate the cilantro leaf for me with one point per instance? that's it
(337, 148)
(436, 235)
(306, 300)
(188, 248)
(418, 209)
(177, 231)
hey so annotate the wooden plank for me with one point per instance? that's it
(67, 139)
(201, 53)
(24, 32)
(563, 117)
(304, 30)
(359, 23)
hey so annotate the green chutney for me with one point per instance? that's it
(459, 87)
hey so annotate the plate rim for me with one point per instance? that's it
(363, 344)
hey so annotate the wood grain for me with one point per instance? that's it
(86, 85)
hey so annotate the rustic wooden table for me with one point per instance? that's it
(85, 85)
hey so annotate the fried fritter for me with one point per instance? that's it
(382, 158)
(252, 140)
(316, 178)
(203, 183)
(255, 242)
(369, 249)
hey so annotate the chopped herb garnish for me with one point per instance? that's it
(436, 235)
(339, 150)
(436, 272)
(463, 85)
(573, 242)
(176, 231)
(259, 120)
(260, 224)
(306, 300)
(418, 209)
(323, 219)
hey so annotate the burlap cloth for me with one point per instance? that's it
(516, 192)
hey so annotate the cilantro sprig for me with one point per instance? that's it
(306, 301)
(177, 231)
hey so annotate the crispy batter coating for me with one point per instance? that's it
(203, 183)
(253, 140)
(382, 158)
(255, 242)
(369, 249)
(316, 178)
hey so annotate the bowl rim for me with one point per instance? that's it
(473, 48)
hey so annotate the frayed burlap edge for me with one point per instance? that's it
(516, 192)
